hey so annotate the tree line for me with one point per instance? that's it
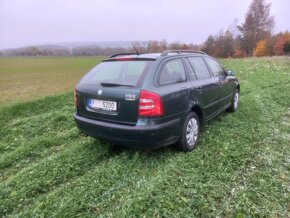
(61, 51)
(142, 47)
(252, 38)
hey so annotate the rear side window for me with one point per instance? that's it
(172, 72)
(199, 67)
(215, 67)
(118, 72)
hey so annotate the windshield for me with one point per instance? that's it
(117, 73)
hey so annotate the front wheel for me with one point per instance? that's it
(190, 133)
(235, 102)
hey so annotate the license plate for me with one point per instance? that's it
(104, 105)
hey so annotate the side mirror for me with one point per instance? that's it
(230, 72)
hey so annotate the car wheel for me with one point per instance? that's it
(235, 101)
(190, 133)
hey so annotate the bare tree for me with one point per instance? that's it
(208, 45)
(175, 45)
(257, 26)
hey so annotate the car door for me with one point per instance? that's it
(225, 91)
(173, 87)
(204, 86)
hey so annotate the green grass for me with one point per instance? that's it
(241, 167)
(29, 78)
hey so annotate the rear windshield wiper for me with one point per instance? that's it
(115, 84)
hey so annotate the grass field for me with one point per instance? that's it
(29, 78)
(241, 167)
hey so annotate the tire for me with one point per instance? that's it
(190, 133)
(235, 102)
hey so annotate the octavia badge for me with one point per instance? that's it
(100, 92)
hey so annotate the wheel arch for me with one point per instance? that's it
(238, 87)
(197, 109)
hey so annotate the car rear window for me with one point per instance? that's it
(117, 72)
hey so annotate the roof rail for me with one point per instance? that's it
(121, 54)
(165, 53)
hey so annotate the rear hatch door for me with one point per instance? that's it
(110, 91)
(116, 105)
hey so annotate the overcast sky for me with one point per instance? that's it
(29, 22)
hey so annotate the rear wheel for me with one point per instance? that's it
(190, 133)
(235, 102)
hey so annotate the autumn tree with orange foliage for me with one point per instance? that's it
(261, 48)
(281, 41)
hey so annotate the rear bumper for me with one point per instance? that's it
(138, 136)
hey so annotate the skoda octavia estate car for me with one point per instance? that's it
(153, 100)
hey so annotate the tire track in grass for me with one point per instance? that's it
(81, 194)
(32, 149)
(36, 156)
(128, 209)
(28, 153)
(34, 107)
(264, 181)
(140, 193)
(22, 123)
(115, 184)
(253, 156)
(186, 181)
(124, 180)
(21, 189)
(69, 147)
(182, 184)
(26, 129)
(285, 130)
(246, 189)
(32, 130)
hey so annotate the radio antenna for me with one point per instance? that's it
(135, 48)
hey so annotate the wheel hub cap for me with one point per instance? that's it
(191, 131)
(236, 101)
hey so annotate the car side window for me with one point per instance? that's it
(199, 67)
(172, 72)
(215, 67)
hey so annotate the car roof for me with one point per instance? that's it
(151, 56)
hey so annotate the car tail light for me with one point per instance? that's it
(75, 97)
(150, 104)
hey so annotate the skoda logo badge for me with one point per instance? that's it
(100, 92)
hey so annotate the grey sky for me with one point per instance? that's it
(26, 22)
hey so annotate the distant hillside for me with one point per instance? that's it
(95, 48)
(43, 50)
(73, 49)
(102, 44)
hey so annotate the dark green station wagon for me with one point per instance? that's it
(153, 100)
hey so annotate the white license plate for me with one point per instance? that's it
(104, 105)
